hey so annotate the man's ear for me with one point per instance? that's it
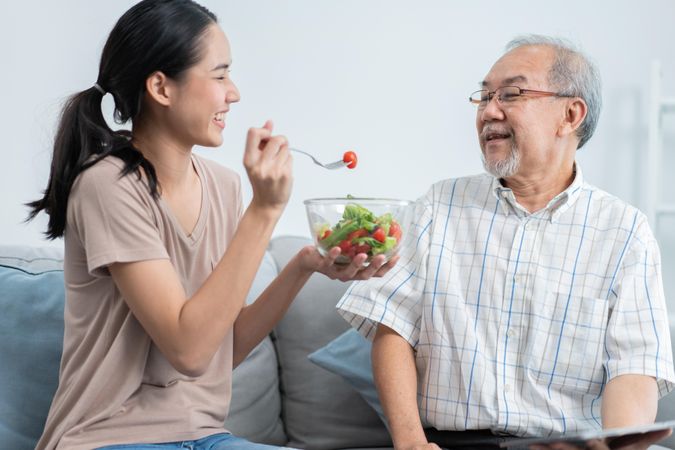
(575, 113)
(158, 88)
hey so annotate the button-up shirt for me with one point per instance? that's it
(518, 320)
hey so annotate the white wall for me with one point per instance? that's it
(385, 78)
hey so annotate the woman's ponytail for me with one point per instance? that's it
(81, 133)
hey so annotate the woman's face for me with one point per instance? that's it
(203, 96)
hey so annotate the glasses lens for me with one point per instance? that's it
(508, 94)
(480, 97)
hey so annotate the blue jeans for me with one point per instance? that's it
(222, 441)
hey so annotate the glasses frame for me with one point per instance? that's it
(521, 92)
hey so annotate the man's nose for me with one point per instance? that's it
(493, 110)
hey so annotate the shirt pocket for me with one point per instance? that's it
(566, 343)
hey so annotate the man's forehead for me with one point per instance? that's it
(528, 64)
(508, 81)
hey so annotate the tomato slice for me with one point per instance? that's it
(363, 248)
(347, 249)
(397, 236)
(379, 235)
(345, 246)
(350, 159)
(325, 235)
(395, 231)
(361, 232)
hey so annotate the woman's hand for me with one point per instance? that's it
(269, 166)
(312, 261)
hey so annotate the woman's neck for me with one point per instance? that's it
(171, 160)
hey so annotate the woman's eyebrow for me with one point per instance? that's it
(221, 66)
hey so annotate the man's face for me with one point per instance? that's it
(520, 137)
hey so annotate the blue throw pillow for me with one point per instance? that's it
(348, 356)
(31, 341)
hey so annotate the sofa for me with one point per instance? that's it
(280, 396)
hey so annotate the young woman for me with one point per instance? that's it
(159, 251)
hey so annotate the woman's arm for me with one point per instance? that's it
(188, 331)
(257, 320)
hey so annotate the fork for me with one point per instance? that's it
(330, 166)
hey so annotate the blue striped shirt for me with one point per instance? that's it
(518, 319)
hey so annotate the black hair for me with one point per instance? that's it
(153, 35)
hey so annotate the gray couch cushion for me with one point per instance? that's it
(348, 356)
(255, 412)
(320, 410)
(31, 333)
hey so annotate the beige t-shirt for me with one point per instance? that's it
(115, 386)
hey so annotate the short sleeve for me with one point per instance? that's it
(113, 219)
(395, 300)
(638, 334)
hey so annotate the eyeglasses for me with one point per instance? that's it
(508, 94)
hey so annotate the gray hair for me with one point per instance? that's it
(572, 73)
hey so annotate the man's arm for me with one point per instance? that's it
(396, 381)
(629, 400)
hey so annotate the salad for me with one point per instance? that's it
(360, 231)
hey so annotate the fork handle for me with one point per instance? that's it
(305, 153)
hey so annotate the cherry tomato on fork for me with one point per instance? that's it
(350, 159)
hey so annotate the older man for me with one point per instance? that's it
(526, 302)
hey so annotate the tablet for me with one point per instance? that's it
(580, 438)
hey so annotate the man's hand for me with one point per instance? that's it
(630, 442)
(427, 446)
(311, 260)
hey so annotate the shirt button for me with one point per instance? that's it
(510, 332)
(507, 388)
(519, 278)
(527, 225)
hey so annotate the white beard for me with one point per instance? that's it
(505, 167)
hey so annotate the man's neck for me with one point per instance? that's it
(534, 191)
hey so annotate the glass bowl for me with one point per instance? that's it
(372, 226)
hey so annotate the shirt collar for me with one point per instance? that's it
(566, 199)
(558, 204)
